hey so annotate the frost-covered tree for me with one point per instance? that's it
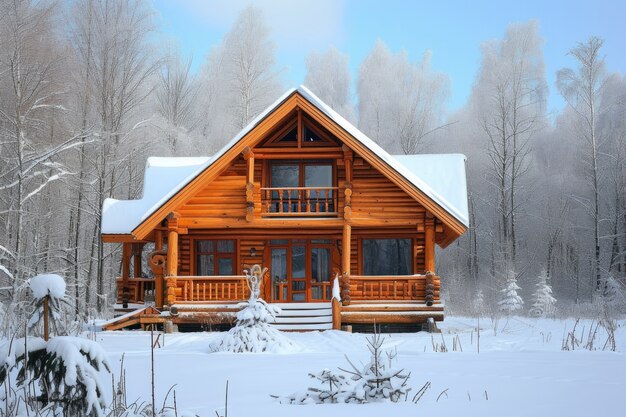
(400, 103)
(239, 79)
(510, 301)
(509, 103)
(614, 293)
(543, 301)
(478, 304)
(176, 94)
(582, 89)
(329, 78)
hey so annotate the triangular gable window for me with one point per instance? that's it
(298, 131)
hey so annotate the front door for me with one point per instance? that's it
(300, 270)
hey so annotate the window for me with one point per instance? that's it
(387, 257)
(215, 257)
(301, 186)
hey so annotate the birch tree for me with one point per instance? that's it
(582, 89)
(509, 100)
(31, 88)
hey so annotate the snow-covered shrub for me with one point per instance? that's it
(543, 301)
(374, 382)
(64, 370)
(510, 301)
(253, 331)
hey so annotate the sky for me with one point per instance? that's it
(452, 31)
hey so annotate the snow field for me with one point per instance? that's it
(520, 371)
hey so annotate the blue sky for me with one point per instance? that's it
(452, 30)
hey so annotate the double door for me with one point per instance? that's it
(300, 270)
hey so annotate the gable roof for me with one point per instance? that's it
(440, 178)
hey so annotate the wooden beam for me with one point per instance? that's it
(345, 263)
(429, 243)
(172, 257)
(137, 250)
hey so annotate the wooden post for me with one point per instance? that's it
(125, 273)
(429, 244)
(46, 329)
(172, 257)
(137, 248)
(345, 264)
(248, 155)
(158, 278)
(336, 314)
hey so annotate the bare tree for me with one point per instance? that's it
(240, 78)
(114, 64)
(176, 94)
(400, 103)
(582, 89)
(329, 78)
(509, 99)
(32, 90)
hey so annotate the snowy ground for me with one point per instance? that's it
(520, 371)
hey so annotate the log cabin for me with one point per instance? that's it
(346, 231)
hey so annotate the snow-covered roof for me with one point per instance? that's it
(162, 178)
(444, 177)
(440, 177)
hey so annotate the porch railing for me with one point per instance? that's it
(299, 201)
(196, 289)
(137, 288)
(393, 288)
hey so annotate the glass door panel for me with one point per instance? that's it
(279, 274)
(320, 273)
(298, 273)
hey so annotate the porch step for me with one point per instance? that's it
(304, 316)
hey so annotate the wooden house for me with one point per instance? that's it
(304, 193)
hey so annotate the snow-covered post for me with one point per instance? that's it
(336, 304)
(46, 289)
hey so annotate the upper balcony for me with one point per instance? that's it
(299, 202)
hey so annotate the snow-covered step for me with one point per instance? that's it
(304, 316)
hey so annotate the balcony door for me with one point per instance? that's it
(300, 270)
(298, 187)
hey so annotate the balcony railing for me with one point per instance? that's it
(299, 201)
(392, 288)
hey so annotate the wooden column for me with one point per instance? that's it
(137, 249)
(158, 278)
(345, 263)
(172, 257)
(347, 203)
(429, 243)
(248, 155)
(125, 273)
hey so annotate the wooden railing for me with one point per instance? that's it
(320, 291)
(137, 288)
(194, 289)
(299, 201)
(398, 287)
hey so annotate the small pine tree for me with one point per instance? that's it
(510, 301)
(478, 305)
(253, 331)
(543, 301)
